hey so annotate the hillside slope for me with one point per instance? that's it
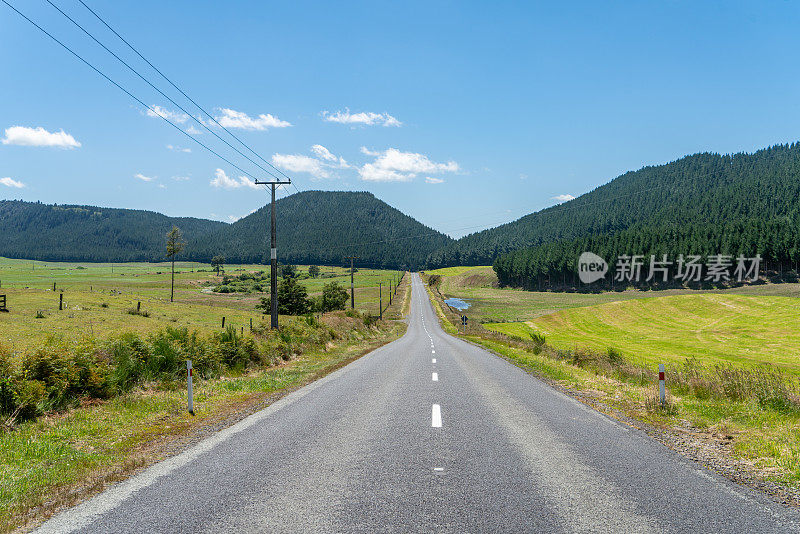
(33, 230)
(322, 227)
(704, 202)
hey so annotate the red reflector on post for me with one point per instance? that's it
(661, 375)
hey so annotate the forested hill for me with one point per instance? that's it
(705, 195)
(706, 204)
(38, 231)
(322, 227)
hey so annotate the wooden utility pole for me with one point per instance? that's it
(352, 291)
(273, 252)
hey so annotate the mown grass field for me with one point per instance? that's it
(492, 304)
(740, 329)
(749, 325)
(97, 300)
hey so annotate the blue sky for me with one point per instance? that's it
(464, 115)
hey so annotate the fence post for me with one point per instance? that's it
(662, 396)
(61, 301)
(189, 386)
(223, 322)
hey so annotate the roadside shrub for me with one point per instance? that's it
(56, 370)
(60, 374)
(614, 356)
(129, 355)
(39, 315)
(538, 342)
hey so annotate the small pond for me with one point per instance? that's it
(457, 303)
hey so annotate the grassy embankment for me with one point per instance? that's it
(730, 356)
(130, 416)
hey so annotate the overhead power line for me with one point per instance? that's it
(121, 88)
(190, 99)
(148, 82)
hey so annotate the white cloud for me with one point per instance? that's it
(301, 163)
(160, 112)
(162, 186)
(178, 149)
(430, 180)
(368, 152)
(365, 118)
(144, 178)
(325, 154)
(181, 178)
(318, 167)
(193, 131)
(226, 182)
(10, 182)
(236, 119)
(23, 136)
(563, 198)
(392, 165)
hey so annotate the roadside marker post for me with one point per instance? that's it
(189, 386)
(661, 387)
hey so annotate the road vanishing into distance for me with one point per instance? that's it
(427, 434)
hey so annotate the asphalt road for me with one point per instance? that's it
(427, 434)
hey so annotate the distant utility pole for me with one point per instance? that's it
(352, 291)
(380, 300)
(273, 290)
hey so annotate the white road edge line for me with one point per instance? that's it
(436, 416)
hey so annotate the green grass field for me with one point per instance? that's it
(97, 298)
(492, 304)
(757, 324)
(714, 328)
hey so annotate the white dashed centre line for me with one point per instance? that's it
(433, 360)
(435, 377)
(438, 468)
(433, 352)
(436, 416)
